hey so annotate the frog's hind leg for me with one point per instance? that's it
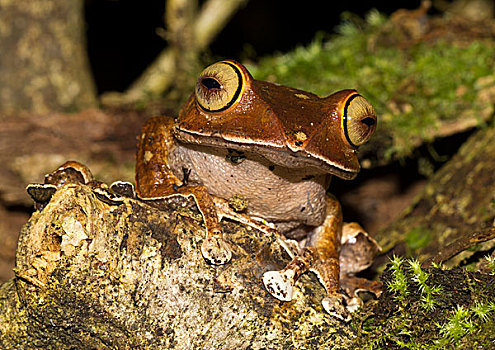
(321, 255)
(155, 181)
(325, 243)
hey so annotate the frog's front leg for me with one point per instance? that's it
(155, 181)
(321, 254)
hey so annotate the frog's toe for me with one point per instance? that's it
(334, 306)
(216, 251)
(279, 284)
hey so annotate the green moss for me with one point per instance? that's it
(428, 309)
(491, 263)
(418, 237)
(413, 89)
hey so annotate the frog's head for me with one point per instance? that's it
(290, 127)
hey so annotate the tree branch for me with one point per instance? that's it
(91, 273)
(212, 17)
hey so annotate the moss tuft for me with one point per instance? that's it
(428, 309)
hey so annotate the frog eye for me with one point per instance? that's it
(219, 86)
(359, 120)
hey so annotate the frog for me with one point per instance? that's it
(274, 146)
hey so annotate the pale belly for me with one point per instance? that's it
(274, 193)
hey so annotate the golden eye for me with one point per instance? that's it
(359, 120)
(219, 86)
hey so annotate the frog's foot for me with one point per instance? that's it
(327, 271)
(215, 250)
(358, 249)
(355, 287)
(224, 210)
(280, 283)
(334, 305)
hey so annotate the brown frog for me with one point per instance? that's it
(274, 146)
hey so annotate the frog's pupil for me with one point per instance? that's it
(368, 121)
(211, 83)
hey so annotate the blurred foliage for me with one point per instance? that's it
(414, 89)
(418, 237)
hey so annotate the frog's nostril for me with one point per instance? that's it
(211, 83)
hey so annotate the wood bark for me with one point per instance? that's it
(44, 65)
(93, 274)
(34, 144)
(96, 273)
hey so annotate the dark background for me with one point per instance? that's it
(122, 38)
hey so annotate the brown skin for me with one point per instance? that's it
(273, 145)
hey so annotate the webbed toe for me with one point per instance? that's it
(216, 251)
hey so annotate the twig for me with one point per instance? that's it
(212, 17)
(461, 245)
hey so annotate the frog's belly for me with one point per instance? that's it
(274, 193)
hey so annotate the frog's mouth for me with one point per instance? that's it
(346, 166)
